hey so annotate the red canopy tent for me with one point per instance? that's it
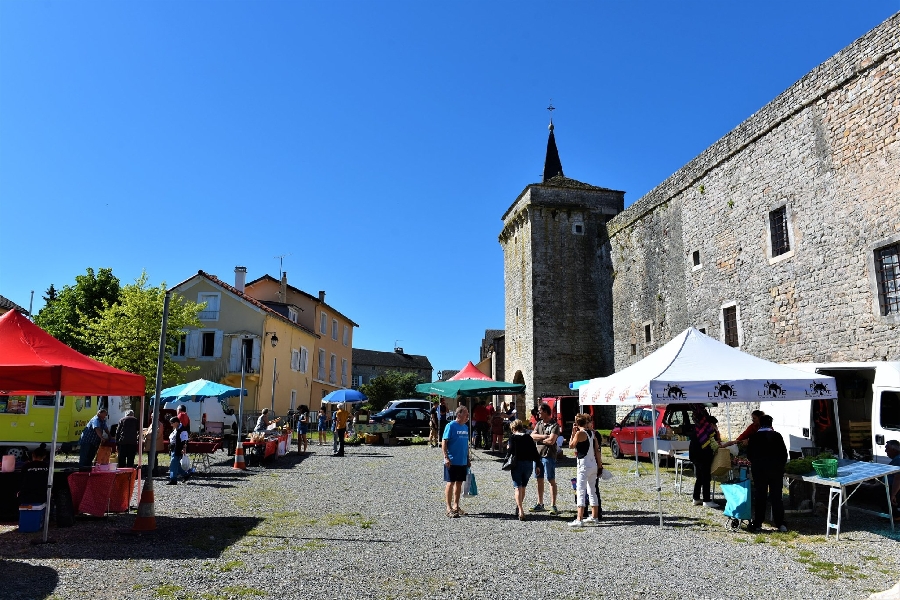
(470, 371)
(34, 362)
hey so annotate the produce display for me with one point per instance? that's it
(802, 466)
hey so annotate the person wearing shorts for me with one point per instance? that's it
(545, 433)
(455, 446)
(322, 425)
(523, 448)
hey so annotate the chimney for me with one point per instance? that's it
(284, 286)
(321, 295)
(240, 278)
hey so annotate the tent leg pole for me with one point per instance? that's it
(656, 454)
(50, 473)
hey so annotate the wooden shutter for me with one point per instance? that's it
(254, 363)
(193, 343)
(217, 343)
(234, 355)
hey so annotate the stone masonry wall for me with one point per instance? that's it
(828, 149)
(557, 283)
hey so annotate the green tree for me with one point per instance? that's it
(69, 309)
(390, 386)
(126, 334)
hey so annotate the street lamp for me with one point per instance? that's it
(274, 339)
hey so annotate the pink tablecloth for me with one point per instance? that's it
(99, 492)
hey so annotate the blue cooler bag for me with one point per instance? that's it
(737, 500)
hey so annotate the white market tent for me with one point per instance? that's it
(695, 368)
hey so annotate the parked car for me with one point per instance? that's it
(409, 403)
(639, 424)
(406, 421)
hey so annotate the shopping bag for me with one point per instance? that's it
(510, 462)
(606, 475)
(470, 488)
(185, 463)
(721, 463)
(103, 454)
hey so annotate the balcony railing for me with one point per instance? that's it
(208, 315)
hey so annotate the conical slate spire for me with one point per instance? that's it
(552, 164)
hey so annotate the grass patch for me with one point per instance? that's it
(231, 565)
(760, 539)
(168, 591)
(312, 545)
(827, 569)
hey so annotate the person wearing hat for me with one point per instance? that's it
(95, 433)
(177, 448)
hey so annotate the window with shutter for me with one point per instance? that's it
(332, 369)
(210, 312)
(334, 329)
(323, 324)
(346, 335)
(208, 344)
(295, 360)
(343, 372)
(304, 359)
(320, 375)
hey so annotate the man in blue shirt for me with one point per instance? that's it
(96, 432)
(455, 445)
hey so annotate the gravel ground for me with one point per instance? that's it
(372, 525)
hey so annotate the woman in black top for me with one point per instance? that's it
(524, 449)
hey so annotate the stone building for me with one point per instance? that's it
(558, 287)
(368, 364)
(782, 238)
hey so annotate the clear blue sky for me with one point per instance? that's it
(376, 144)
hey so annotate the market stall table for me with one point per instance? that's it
(664, 447)
(199, 452)
(99, 492)
(852, 473)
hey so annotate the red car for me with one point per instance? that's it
(639, 424)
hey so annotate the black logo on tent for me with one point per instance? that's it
(818, 389)
(674, 392)
(724, 391)
(772, 390)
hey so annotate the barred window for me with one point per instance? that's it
(729, 318)
(778, 228)
(887, 270)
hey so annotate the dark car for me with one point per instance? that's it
(407, 421)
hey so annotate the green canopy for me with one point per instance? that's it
(467, 388)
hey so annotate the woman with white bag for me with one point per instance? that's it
(590, 464)
(178, 450)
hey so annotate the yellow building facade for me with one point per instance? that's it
(238, 331)
(331, 361)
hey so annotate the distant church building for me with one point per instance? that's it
(782, 239)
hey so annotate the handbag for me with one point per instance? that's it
(510, 462)
(721, 463)
(185, 463)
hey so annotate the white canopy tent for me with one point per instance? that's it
(695, 368)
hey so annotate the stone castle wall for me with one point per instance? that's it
(828, 149)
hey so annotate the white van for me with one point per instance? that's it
(409, 403)
(868, 410)
(210, 415)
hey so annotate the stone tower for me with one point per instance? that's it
(558, 282)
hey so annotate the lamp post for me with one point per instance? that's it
(274, 341)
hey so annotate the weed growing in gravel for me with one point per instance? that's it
(231, 565)
(312, 545)
(168, 591)
(760, 539)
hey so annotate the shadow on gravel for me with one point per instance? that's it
(175, 538)
(26, 582)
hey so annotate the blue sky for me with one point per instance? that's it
(376, 144)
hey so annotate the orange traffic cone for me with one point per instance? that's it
(239, 458)
(146, 515)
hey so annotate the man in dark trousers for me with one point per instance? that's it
(768, 455)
